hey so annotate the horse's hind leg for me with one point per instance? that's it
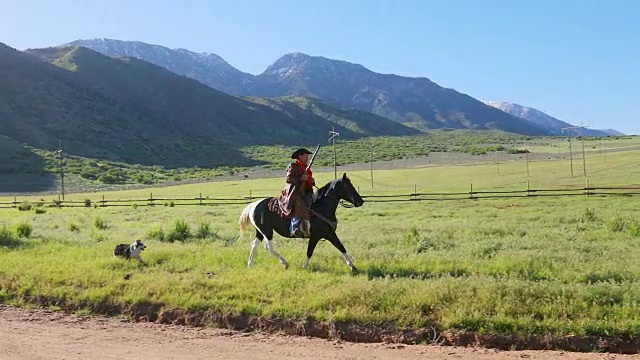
(254, 244)
(268, 244)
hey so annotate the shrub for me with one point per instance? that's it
(23, 230)
(180, 231)
(72, 227)
(412, 236)
(634, 229)
(5, 233)
(40, 210)
(616, 224)
(99, 223)
(156, 233)
(517, 151)
(25, 206)
(204, 231)
(588, 216)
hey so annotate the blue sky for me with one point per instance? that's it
(576, 60)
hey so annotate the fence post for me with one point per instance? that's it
(151, 199)
(471, 191)
(415, 192)
(200, 198)
(104, 203)
(587, 188)
(528, 188)
(250, 196)
(15, 202)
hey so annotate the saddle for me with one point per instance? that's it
(274, 207)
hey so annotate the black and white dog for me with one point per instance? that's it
(132, 251)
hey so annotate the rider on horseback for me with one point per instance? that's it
(297, 194)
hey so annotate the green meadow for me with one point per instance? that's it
(552, 265)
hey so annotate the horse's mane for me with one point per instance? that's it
(323, 191)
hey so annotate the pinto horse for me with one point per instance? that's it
(264, 215)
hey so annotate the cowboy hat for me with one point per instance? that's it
(300, 152)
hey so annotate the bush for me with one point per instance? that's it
(156, 233)
(517, 151)
(588, 216)
(180, 231)
(204, 231)
(23, 230)
(25, 206)
(5, 233)
(40, 210)
(72, 227)
(99, 223)
(412, 236)
(616, 224)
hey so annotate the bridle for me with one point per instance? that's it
(341, 202)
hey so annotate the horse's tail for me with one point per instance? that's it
(245, 218)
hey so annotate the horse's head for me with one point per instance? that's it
(349, 193)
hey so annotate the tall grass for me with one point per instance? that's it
(537, 267)
(529, 266)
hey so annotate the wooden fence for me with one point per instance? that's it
(415, 196)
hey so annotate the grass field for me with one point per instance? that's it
(504, 266)
(84, 174)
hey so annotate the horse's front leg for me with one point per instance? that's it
(310, 249)
(333, 238)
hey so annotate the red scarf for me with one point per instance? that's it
(303, 166)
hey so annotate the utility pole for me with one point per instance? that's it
(332, 137)
(61, 172)
(559, 153)
(584, 158)
(569, 129)
(371, 165)
(526, 156)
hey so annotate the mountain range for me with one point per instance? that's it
(550, 123)
(126, 109)
(147, 104)
(415, 102)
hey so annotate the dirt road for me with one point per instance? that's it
(40, 334)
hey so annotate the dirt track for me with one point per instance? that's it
(39, 334)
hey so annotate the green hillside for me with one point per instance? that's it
(131, 111)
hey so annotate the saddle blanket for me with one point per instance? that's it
(274, 207)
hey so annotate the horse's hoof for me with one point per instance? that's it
(286, 266)
(354, 271)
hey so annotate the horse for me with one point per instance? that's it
(265, 217)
